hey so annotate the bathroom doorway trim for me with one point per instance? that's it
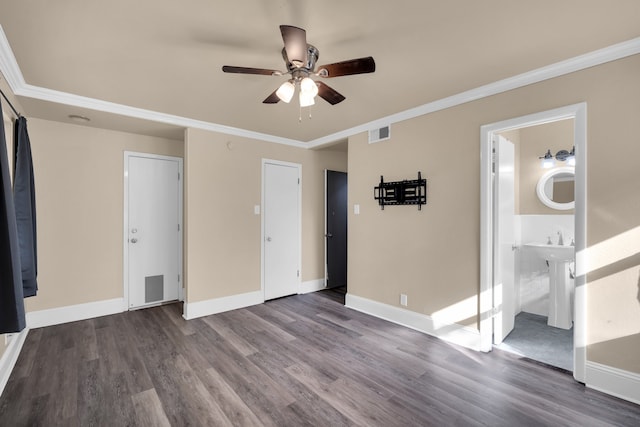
(577, 112)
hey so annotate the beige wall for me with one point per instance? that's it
(433, 255)
(79, 199)
(223, 184)
(534, 142)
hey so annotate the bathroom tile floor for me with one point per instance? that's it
(534, 339)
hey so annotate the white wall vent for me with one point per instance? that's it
(380, 134)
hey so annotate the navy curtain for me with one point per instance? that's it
(11, 294)
(24, 197)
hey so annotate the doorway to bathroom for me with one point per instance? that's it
(532, 300)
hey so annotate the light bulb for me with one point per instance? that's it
(571, 160)
(285, 91)
(306, 99)
(308, 86)
(548, 163)
(547, 160)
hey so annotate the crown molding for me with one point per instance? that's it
(45, 94)
(591, 59)
(11, 71)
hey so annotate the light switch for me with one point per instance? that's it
(256, 209)
(356, 209)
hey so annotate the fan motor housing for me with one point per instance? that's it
(312, 57)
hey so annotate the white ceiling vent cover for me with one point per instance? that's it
(380, 134)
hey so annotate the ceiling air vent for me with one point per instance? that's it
(381, 134)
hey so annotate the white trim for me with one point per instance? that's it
(450, 332)
(125, 228)
(312, 286)
(193, 310)
(11, 70)
(10, 357)
(9, 65)
(613, 381)
(73, 313)
(581, 62)
(577, 112)
(262, 209)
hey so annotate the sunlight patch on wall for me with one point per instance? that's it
(608, 252)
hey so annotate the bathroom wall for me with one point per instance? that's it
(534, 142)
(536, 222)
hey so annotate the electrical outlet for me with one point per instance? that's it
(403, 300)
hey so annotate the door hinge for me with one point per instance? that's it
(178, 278)
(493, 160)
(494, 312)
(298, 181)
(178, 227)
(298, 273)
(178, 176)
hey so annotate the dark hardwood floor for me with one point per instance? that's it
(302, 360)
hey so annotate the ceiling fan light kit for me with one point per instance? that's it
(300, 59)
(285, 91)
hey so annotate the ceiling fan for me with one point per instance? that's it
(300, 59)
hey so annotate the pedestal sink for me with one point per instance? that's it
(560, 285)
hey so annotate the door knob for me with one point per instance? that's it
(134, 240)
(268, 239)
(328, 235)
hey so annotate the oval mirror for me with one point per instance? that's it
(556, 188)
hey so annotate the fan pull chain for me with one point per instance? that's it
(300, 114)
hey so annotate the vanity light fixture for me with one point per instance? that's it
(548, 160)
(571, 159)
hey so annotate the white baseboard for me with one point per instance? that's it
(613, 381)
(10, 357)
(452, 332)
(72, 313)
(194, 310)
(312, 286)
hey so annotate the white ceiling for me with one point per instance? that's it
(166, 56)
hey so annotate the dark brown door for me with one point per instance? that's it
(336, 229)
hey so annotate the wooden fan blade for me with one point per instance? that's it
(329, 94)
(247, 70)
(347, 68)
(295, 44)
(272, 99)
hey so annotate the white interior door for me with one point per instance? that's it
(153, 230)
(504, 228)
(281, 216)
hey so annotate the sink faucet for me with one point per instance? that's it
(560, 240)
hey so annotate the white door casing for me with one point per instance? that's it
(153, 229)
(504, 240)
(577, 112)
(281, 225)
